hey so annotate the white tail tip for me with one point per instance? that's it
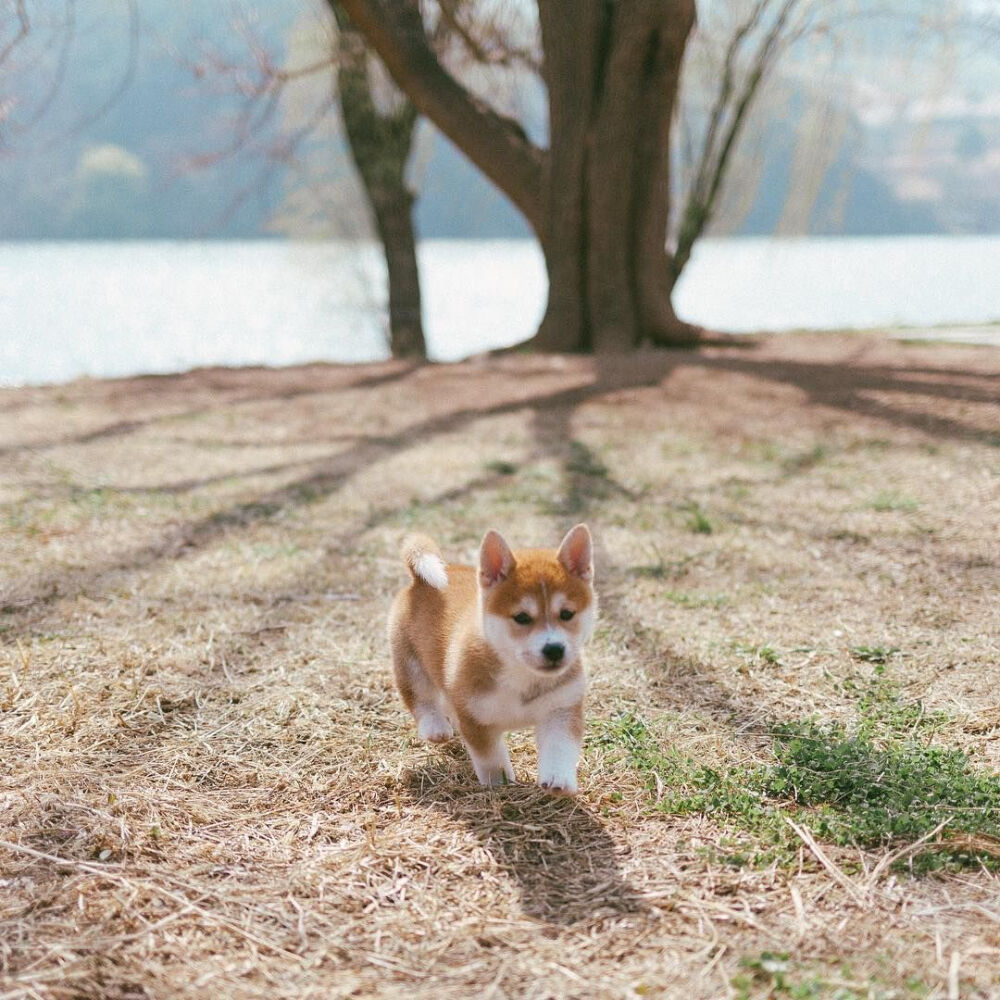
(430, 568)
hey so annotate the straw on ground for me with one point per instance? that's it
(789, 785)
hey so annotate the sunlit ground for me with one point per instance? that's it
(789, 783)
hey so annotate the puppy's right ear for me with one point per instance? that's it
(495, 559)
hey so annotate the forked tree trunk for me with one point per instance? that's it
(380, 142)
(612, 71)
(599, 197)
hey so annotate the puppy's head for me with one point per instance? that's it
(538, 605)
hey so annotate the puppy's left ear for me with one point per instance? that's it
(577, 553)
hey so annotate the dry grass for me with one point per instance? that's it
(209, 787)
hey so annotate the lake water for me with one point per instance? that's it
(106, 309)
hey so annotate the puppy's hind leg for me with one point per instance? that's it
(420, 696)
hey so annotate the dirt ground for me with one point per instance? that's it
(208, 785)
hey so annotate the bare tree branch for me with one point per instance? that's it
(720, 141)
(724, 96)
(23, 27)
(496, 144)
(280, 153)
(68, 30)
(261, 84)
(488, 53)
(61, 33)
(124, 82)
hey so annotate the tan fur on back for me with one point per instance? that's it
(423, 619)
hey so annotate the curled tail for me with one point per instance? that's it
(424, 560)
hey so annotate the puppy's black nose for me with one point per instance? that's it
(553, 651)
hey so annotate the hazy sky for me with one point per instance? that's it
(925, 97)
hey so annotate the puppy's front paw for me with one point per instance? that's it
(558, 784)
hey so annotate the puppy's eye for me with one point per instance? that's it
(566, 614)
(522, 618)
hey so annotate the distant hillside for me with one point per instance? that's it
(125, 174)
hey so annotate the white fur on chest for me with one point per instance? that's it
(513, 705)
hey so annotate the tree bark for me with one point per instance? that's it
(380, 143)
(394, 221)
(565, 326)
(655, 273)
(609, 172)
(599, 197)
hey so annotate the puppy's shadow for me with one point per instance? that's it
(556, 850)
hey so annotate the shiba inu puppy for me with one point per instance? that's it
(498, 647)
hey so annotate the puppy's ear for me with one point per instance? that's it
(577, 553)
(495, 559)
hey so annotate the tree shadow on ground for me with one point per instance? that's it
(843, 384)
(849, 386)
(565, 864)
(327, 476)
(682, 683)
(225, 384)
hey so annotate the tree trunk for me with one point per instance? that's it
(612, 73)
(380, 143)
(599, 197)
(394, 222)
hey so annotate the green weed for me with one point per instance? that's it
(583, 462)
(804, 461)
(770, 974)
(874, 784)
(93, 500)
(663, 568)
(684, 788)
(776, 974)
(698, 521)
(874, 654)
(883, 710)
(264, 551)
(859, 792)
(760, 654)
(501, 467)
(890, 500)
(687, 599)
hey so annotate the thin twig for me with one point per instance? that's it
(858, 894)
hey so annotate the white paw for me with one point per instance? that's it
(558, 782)
(496, 778)
(435, 728)
(494, 774)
